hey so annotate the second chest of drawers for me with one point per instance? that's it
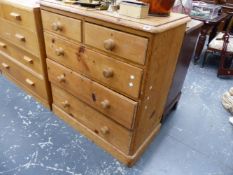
(22, 52)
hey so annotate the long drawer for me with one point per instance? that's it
(35, 84)
(22, 56)
(114, 74)
(62, 25)
(20, 16)
(21, 37)
(114, 105)
(95, 121)
(128, 46)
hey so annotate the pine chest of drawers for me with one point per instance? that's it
(22, 52)
(111, 75)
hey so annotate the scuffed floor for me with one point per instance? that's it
(195, 140)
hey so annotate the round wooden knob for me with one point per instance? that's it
(56, 26)
(108, 73)
(65, 104)
(59, 52)
(104, 130)
(109, 44)
(105, 104)
(61, 78)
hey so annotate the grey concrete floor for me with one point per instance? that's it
(196, 139)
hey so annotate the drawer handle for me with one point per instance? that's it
(105, 104)
(6, 66)
(109, 44)
(59, 52)
(20, 37)
(15, 15)
(3, 45)
(61, 78)
(108, 73)
(104, 130)
(27, 59)
(56, 26)
(30, 82)
(65, 104)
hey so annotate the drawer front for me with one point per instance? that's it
(65, 26)
(27, 79)
(20, 16)
(92, 119)
(103, 99)
(115, 74)
(128, 46)
(22, 38)
(20, 55)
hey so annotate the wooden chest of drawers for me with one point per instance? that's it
(22, 51)
(111, 75)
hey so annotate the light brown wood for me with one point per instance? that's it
(22, 48)
(22, 38)
(114, 74)
(124, 158)
(19, 16)
(27, 79)
(125, 45)
(93, 94)
(150, 25)
(157, 83)
(114, 45)
(62, 25)
(1, 14)
(95, 121)
(22, 56)
(45, 102)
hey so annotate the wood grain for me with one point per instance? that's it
(128, 46)
(34, 63)
(15, 34)
(65, 26)
(19, 16)
(125, 78)
(95, 121)
(93, 94)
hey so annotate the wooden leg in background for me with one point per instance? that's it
(201, 42)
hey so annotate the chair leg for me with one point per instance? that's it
(204, 59)
(222, 71)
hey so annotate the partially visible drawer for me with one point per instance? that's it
(115, 74)
(25, 58)
(116, 106)
(30, 81)
(22, 38)
(62, 25)
(20, 16)
(128, 46)
(94, 120)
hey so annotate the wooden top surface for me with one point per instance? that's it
(149, 24)
(27, 4)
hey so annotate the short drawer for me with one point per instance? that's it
(19, 36)
(23, 17)
(114, 74)
(62, 25)
(112, 104)
(22, 56)
(127, 46)
(92, 119)
(33, 83)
